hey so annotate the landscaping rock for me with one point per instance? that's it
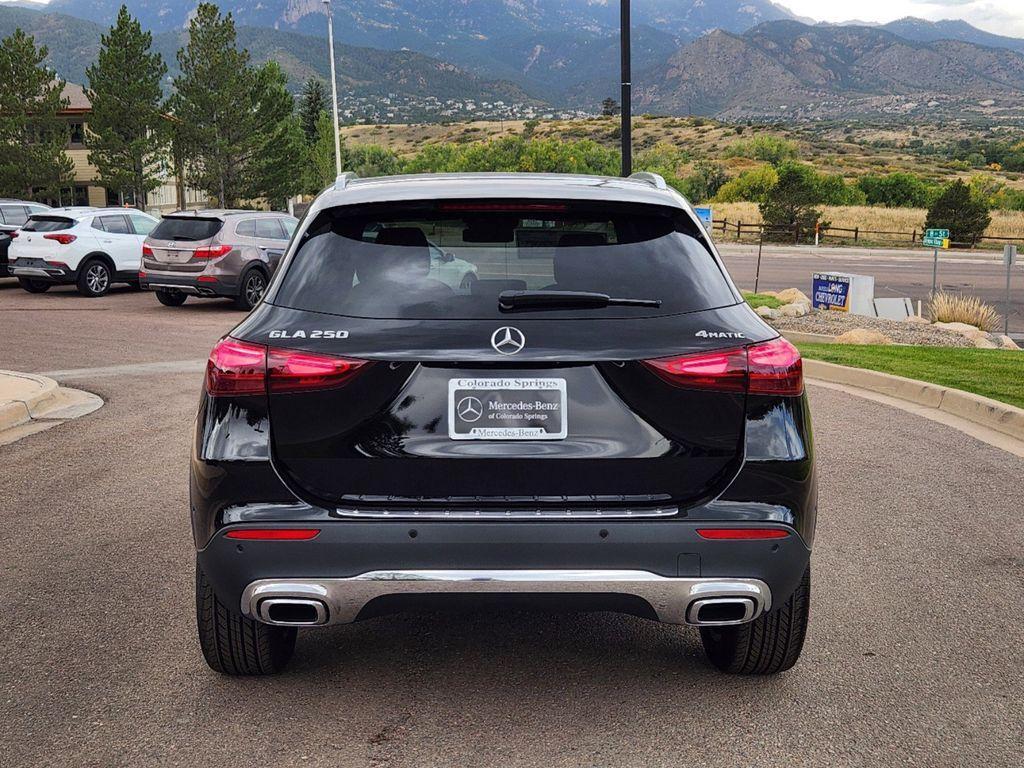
(1005, 342)
(901, 332)
(768, 313)
(797, 309)
(984, 342)
(793, 296)
(964, 328)
(863, 336)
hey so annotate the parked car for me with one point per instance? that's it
(449, 269)
(92, 248)
(13, 214)
(599, 422)
(215, 253)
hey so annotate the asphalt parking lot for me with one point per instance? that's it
(914, 655)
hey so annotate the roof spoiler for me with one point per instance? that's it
(344, 180)
(654, 179)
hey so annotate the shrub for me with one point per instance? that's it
(770, 149)
(833, 190)
(751, 186)
(957, 210)
(897, 190)
(946, 307)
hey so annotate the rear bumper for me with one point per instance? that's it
(36, 269)
(190, 284)
(360, 569)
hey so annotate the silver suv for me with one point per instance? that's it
(214, 253)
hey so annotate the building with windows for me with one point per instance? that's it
(86, 188)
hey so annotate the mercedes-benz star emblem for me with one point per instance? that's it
(508, 340)
(469, 409)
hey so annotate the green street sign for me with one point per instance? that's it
(936, 238)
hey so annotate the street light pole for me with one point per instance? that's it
(626, 97)
(334, 89)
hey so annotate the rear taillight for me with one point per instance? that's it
(292, 371)
(240, 368)
(13, 235)
(61, 238)
(775, 368)
(742, 534)
(273, 534)
(147, 251)
(771, 368)
(721, 371)
(212, 252)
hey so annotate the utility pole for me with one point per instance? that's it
(334, 89)
(626, 97)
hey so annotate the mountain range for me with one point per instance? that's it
(730, 58)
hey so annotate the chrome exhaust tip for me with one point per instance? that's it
(292, 612)
(721, 611)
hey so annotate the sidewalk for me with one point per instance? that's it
(31, 403)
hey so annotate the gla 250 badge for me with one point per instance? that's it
(318, 333)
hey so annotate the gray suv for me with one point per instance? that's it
(214, 253)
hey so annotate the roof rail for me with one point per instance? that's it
(653, 179)
(343, 180)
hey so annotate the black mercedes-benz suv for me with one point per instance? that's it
(597, 422)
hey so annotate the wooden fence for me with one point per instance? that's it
(796, 234)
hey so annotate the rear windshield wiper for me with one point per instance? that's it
(510, 301)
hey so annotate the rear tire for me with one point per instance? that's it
(234, 644)
(94, 278)
(34, 286)
(769, 644)
(171, 298)
(251, 290)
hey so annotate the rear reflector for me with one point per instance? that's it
(293, 371)
(206, 279)
(742, 534)
(240, 368)
(213, 252)
(274, 534)
(60, 264)
(771, 368)
(61, 238)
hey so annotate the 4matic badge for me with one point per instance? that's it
(719, 335)
(318, 333)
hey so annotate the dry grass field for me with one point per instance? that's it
(867, 218)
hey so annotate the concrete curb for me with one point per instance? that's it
(31, 403)
(18, 407)
(799, 337)
(997, 416)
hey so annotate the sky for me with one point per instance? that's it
(1003, 17)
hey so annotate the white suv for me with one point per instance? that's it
(89, 247)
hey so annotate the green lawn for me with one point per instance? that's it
(760, 300)
(992, 373)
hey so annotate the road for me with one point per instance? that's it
(913, 657)
(897, 273)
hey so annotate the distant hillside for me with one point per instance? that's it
(786, 69)
(931, 31)
(74, 43)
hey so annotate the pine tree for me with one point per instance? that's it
(313, 104)
(228, 115)
(127, 134)
(956, 209)
(33, 136)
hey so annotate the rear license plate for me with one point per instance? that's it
(506, 409)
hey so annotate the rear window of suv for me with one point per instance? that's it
(47, 224)
(186, 228)
(452, 259)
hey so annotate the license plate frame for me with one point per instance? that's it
(501, 410)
